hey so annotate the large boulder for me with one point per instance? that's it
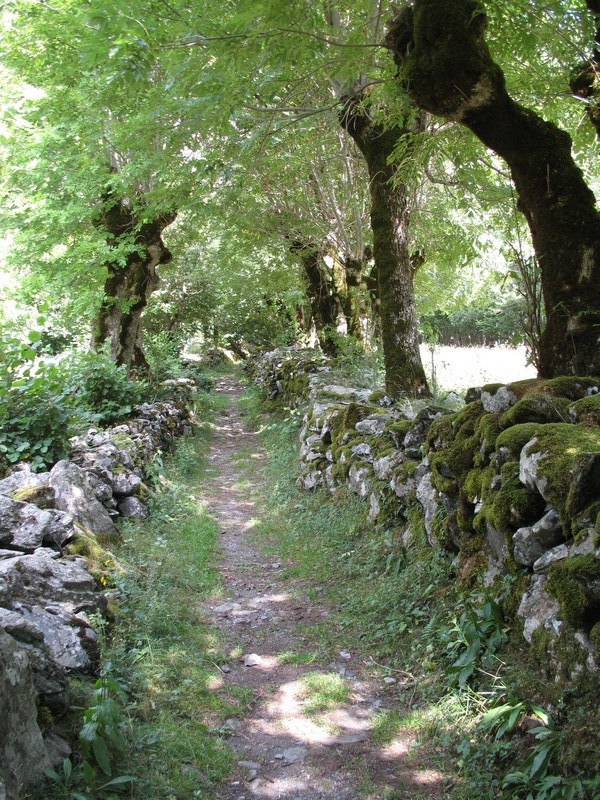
(42, 577)
(75, 496)
(23, 480)
(49, 679)
(22, 525)
(23, 756)
(25, 527)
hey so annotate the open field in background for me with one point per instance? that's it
(459, 368)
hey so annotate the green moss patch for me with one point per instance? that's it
(515, 438)
(570, 466)
(587, 410)
(575, 582)
(536, 408)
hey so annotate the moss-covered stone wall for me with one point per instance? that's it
(510, 484)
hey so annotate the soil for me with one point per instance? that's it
(281, 751)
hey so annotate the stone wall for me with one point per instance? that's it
(510, 484)
(52, 527)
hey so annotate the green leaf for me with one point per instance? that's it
(101, 754)
(121, 779)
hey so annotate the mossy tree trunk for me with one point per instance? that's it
(128, 286)
(324, 303)
(446, 68)
(347, 281)
(404, 373)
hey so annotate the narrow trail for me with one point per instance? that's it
(281, 751)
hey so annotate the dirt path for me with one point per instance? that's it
(283, 752)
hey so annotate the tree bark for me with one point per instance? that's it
(128, 286)
(446, 68)
(404, 373)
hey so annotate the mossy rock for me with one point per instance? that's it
(595, 639)
(575, 583)
(101, 563)
(453, 442)
(511, 602)
(514, 505)
(536, 407)
(401, 427)
(511, 505)
(515, 438)
(571, 387)
(561, 658)
(460, 425)
(473, 485)
(586, 411)
(356, 412)
(340, 470)
(569, 468)
(40, 496)
(376, 396)
(408, 469)
(567, 386)
(486, 430)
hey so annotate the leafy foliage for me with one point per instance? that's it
(45, 400)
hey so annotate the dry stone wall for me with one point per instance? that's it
(510, 484)
(48, 522)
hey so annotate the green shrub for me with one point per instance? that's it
(100, 389)
(45, 401)
(35, 414)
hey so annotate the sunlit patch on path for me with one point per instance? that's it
(310, 733)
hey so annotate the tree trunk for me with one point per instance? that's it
(324, 303)
(404, 373)
(347, 274)
(446, 68)
(128, 287)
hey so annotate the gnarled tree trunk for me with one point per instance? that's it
(128, 287)
(404, 373)
(323, 301)
(446, 68)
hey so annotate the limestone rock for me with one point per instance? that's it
(371, 425)
(22, 525)
(125, 483)
(75, 496)
(530, 543)
(132, 508)
(403, 486)
(362, 452)
(500, 400)
(49, 678)
(374, 507)
(428, 498)
(539, 609)
(529, 467)
(22, 479)
(360, 480)
(551, 557)
(44, 577)
(311, 480)
(23, 756)
(382, 467)
(72, 642)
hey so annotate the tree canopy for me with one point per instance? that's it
(245, 198)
